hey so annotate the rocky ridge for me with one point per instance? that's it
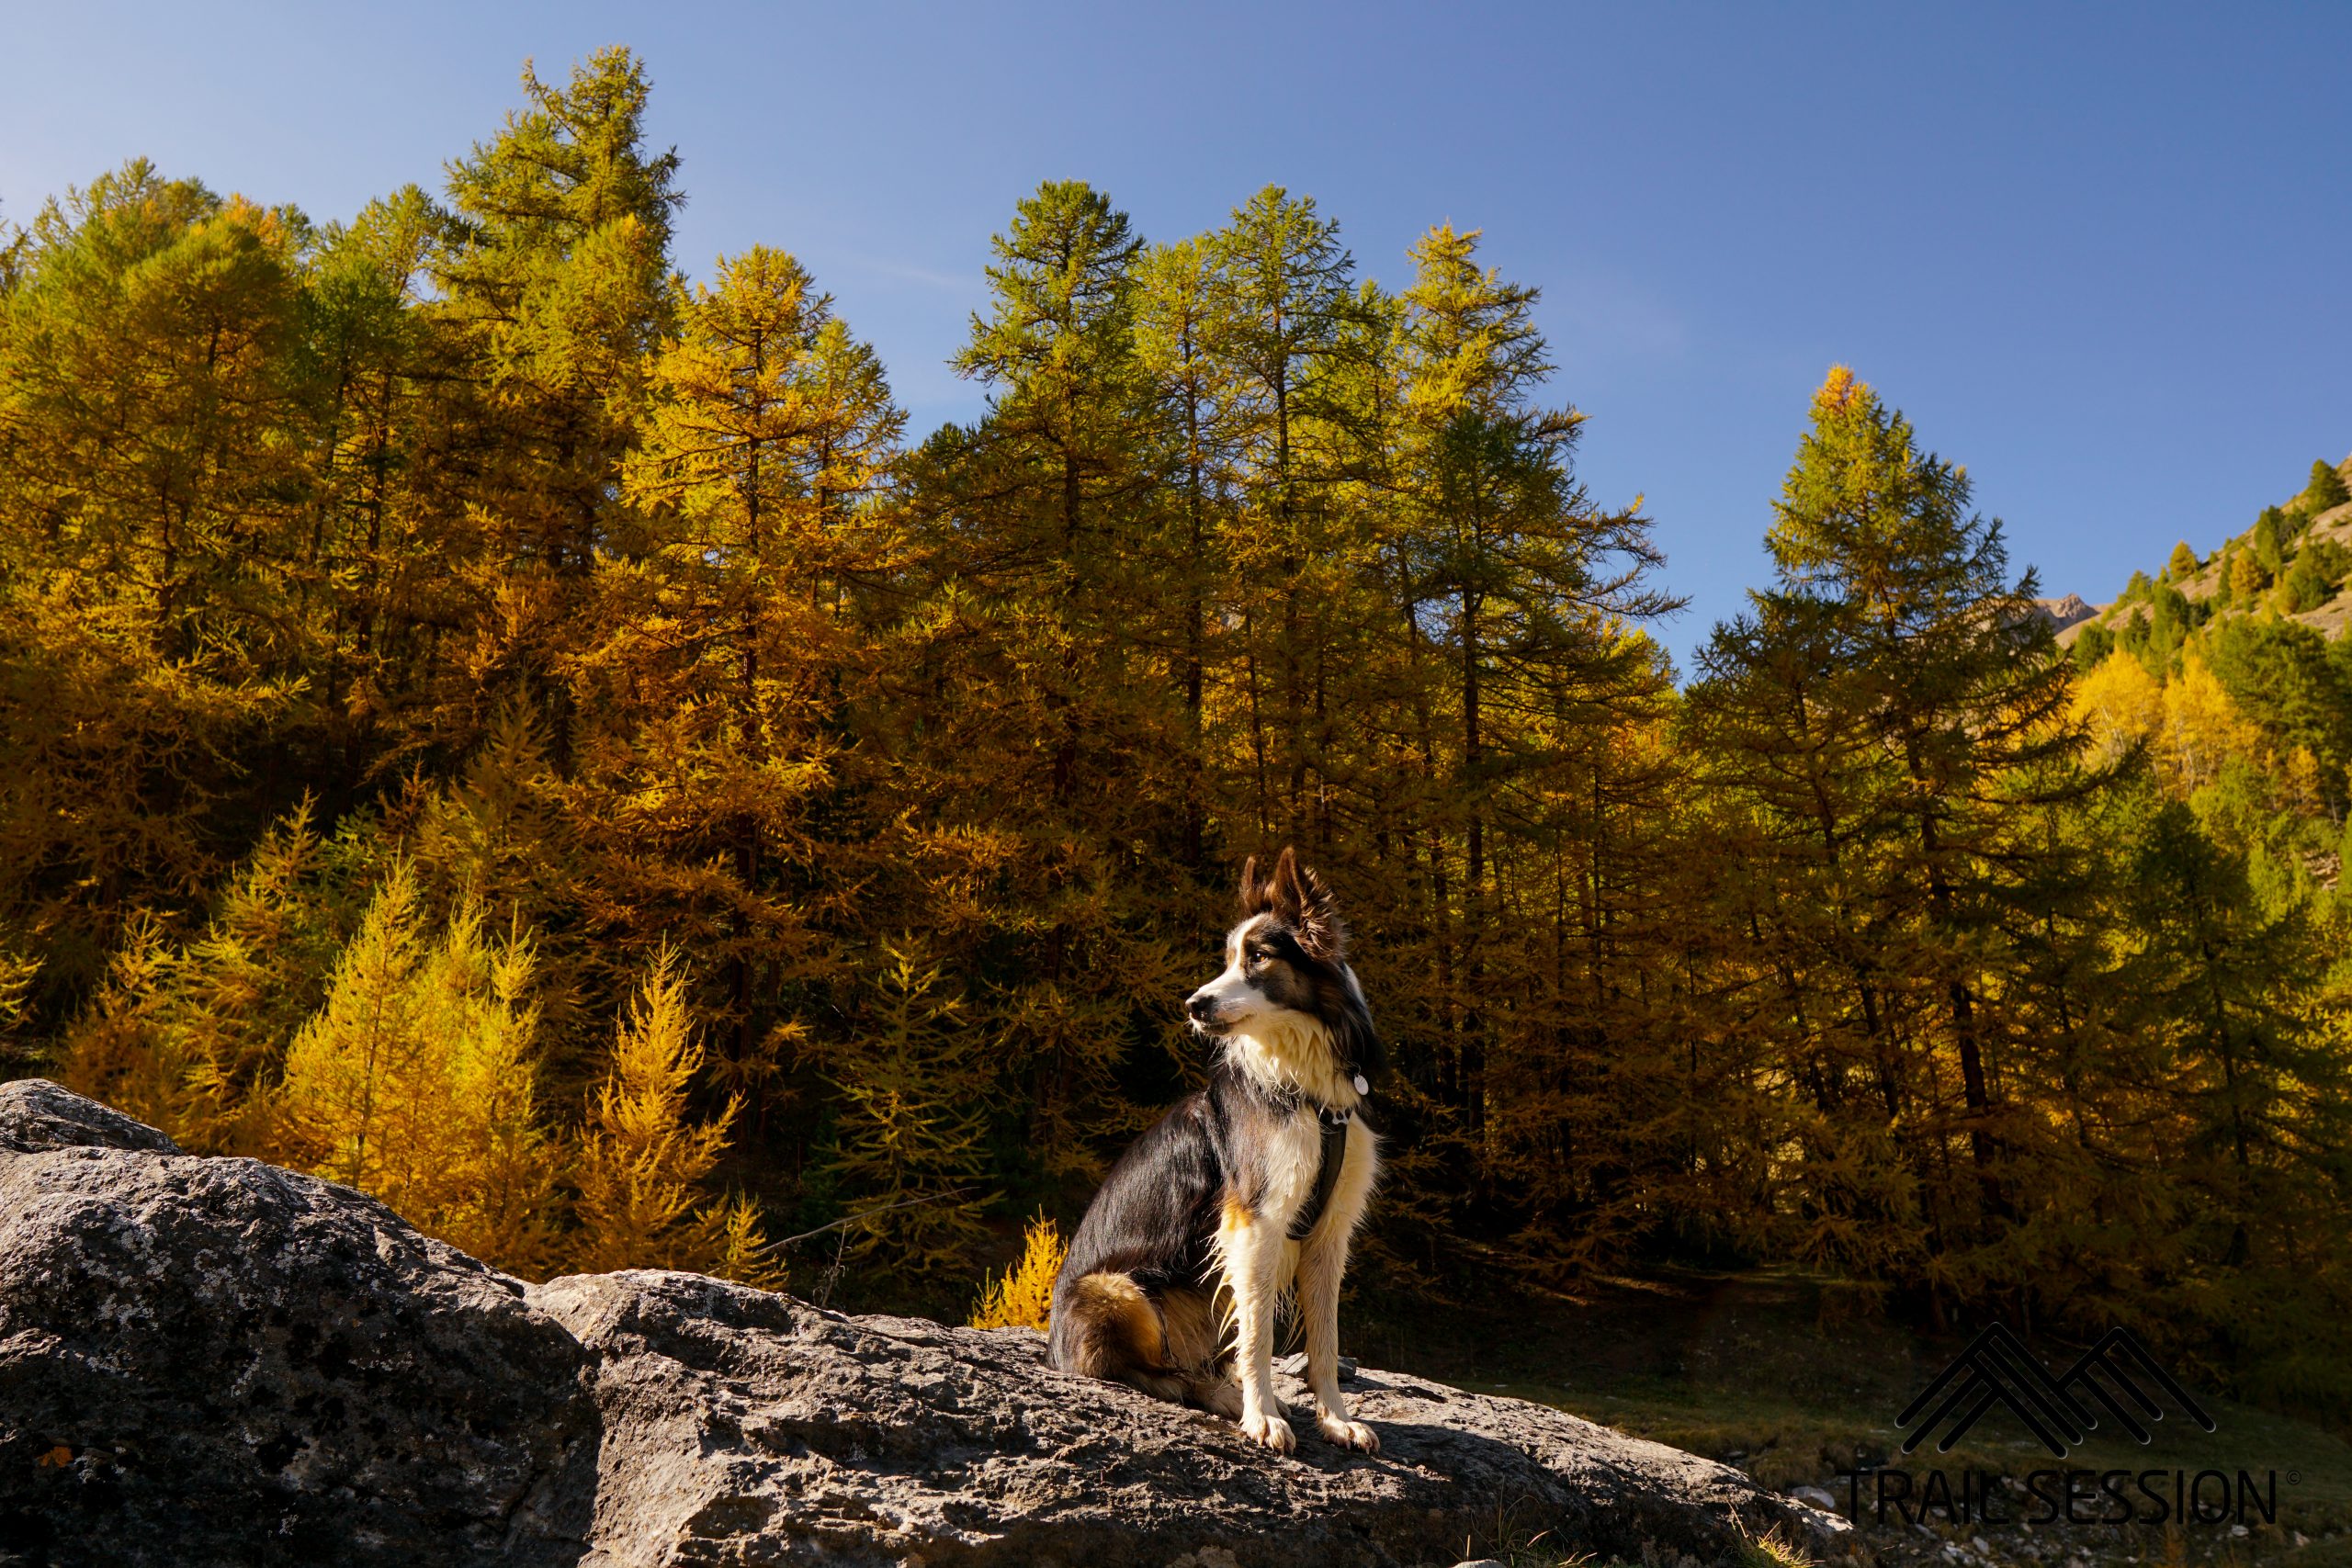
(214, 1361)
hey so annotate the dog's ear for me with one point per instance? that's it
(1288, 895)
(1257, 889)
(1306, 906)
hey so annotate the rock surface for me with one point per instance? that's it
(2070, 611)
(214, 1361)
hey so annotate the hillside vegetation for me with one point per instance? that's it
(2294, 561)
(489, 720)
(2235, 670)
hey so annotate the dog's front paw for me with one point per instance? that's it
(1270, 1430)
(1348, 1434)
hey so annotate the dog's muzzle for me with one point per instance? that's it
(1201, 1009)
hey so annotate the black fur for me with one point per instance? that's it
(1157, 1208)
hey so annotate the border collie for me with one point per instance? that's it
(1248, 1191)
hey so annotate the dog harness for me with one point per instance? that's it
(1327, 1175)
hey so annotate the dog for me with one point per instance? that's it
(1246, 1193)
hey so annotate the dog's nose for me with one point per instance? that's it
(1200, 1007)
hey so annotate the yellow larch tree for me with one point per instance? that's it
(729, 642)
(643, 1158)
(2247, 577)
(2120, 703)
(416, 1081)
(350, 1102)
(2202, 728)
(1023, 1296)
(495, 1198)
(2298, 782)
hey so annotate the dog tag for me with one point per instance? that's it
(1362, 1086)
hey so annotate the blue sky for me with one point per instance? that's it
(2103, 256)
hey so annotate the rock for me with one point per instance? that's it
(36, 1114)
(2062, 613)
(238, 1364)
(738, 1422)
(1295, 1364)
(216, 1361)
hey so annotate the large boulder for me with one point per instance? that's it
(214, 1361)
(741, 1427)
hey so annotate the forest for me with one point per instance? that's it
(488, 720)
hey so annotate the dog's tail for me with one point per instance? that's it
(1107, 1326)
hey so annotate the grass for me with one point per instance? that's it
(1785, 1441)
(1790, 1379)
(1772, 1550)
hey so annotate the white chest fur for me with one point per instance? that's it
(1294, 1160)
(1288, 1054)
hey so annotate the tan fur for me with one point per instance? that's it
(1322, 1261)
(1250, 1253)
(1124, 1327)
(1171, 1349)
(1259, 1267)
(1192, 1322)
(1292, 1049)
(1122, 1337)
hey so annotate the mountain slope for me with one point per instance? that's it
(2315, 537)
